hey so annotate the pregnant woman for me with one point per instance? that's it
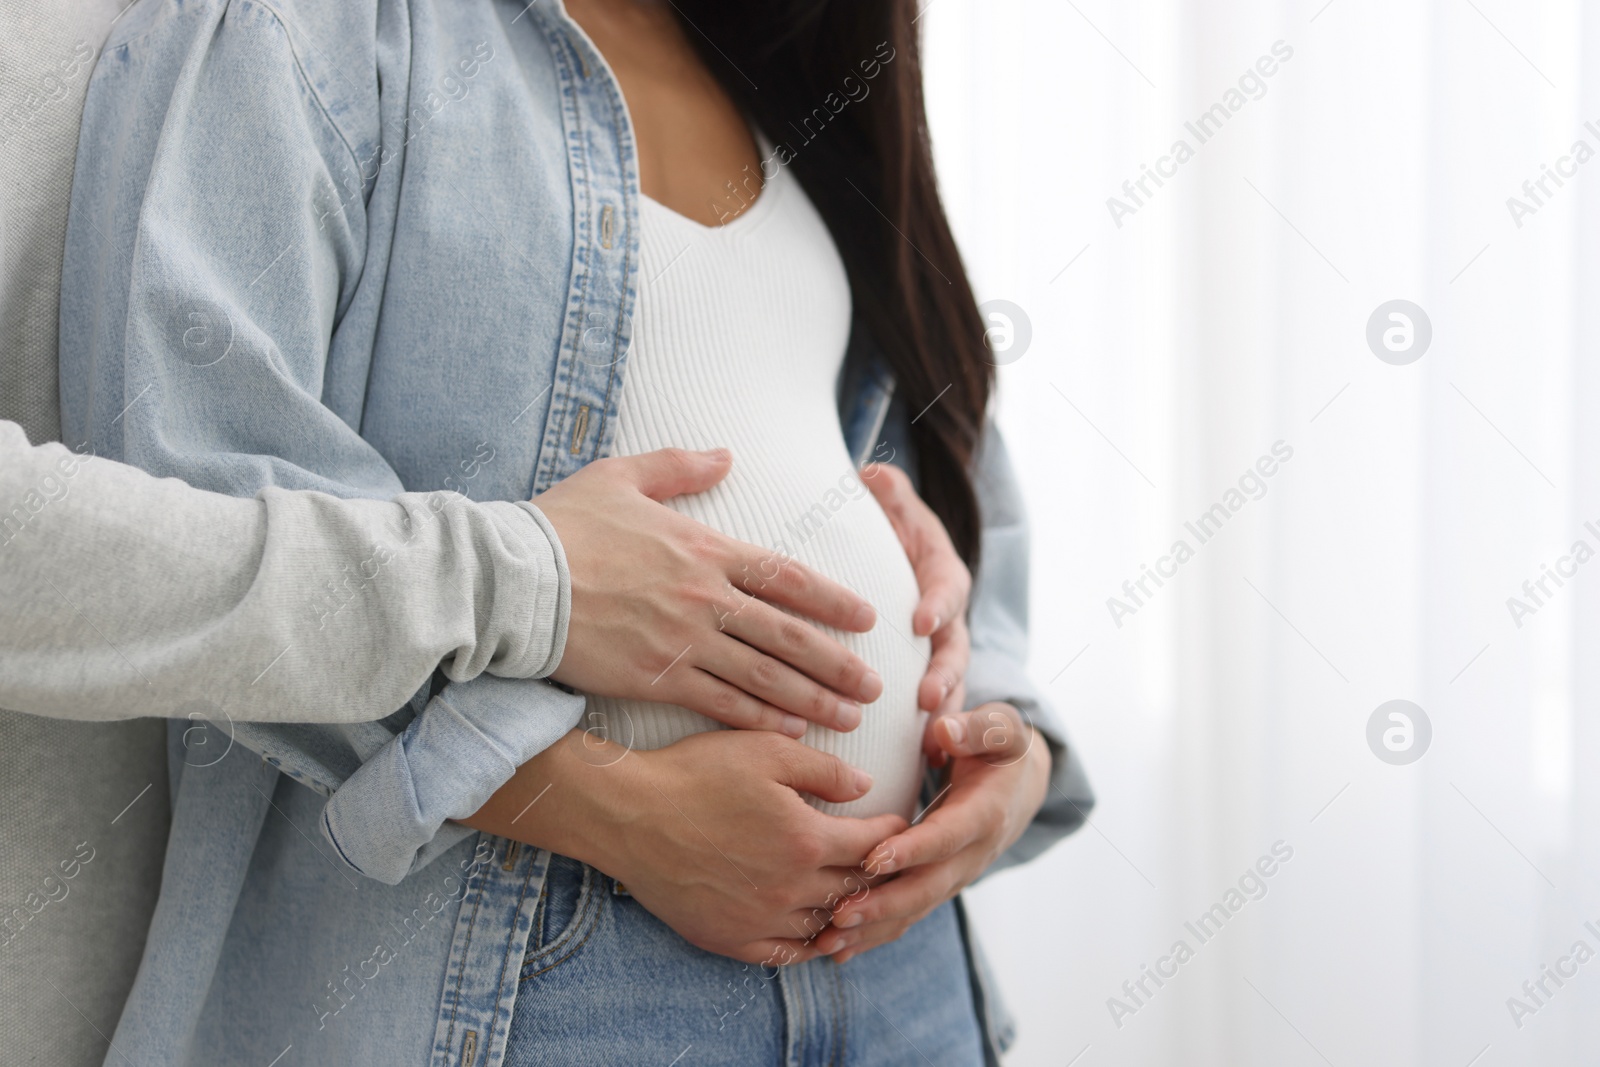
(738, 339)
(475, 247)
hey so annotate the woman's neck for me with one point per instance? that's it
(692, 141)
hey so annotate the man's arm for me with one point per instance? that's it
(127, 595)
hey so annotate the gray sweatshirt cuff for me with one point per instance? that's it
(543, 585)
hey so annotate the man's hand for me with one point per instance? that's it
(999, 771)
(945, 584)
(710, 834)
(667, 609)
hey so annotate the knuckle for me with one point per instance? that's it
(788, 760)
(688, 591)
(841, 774)
(1008, 720)
(990, 824)
(765, 672)
(703, 545)
(793, 635)
(776, 899)
(946, 667)
(744, 575)
(776, 748)
(771, 749)
(816, 918)
(793, 579)
(818, 767)
(822, 705)
(808, 848)
(847, 676)
(725, 700)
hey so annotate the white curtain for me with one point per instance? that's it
(1177, 340)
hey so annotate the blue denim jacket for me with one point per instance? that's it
(407, 233)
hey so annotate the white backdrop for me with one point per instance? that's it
(1226, 313)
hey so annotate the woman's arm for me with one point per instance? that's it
(999, 671)
(1014, 785)
(997, 626)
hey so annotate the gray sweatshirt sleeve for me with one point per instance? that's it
(124, 595)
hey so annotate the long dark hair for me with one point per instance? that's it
(837, 84)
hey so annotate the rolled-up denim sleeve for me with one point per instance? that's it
(999, 626)
(200, 299)
(390, 817)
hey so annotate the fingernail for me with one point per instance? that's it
(849, 715)
(864, 618)
(955, 730)
(838, 946)
(863, 781)
(871, 686)
(794, 725)
(718, 453)
(849, 922)
(937, 619)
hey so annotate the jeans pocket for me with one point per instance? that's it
(568, 909)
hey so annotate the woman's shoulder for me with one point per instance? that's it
(331, 47)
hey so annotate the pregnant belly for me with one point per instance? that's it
(828, 520)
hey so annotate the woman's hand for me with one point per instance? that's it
(999, 771)
(709, 834)
(945, 584)
(666, 609)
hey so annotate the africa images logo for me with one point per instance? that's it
(1399, 732)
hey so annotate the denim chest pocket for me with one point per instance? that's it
(566, 915)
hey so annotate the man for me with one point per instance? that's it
(125, 599)
(206, 578)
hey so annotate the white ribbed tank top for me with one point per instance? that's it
(738, 338)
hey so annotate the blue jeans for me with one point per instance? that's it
(605, 982)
